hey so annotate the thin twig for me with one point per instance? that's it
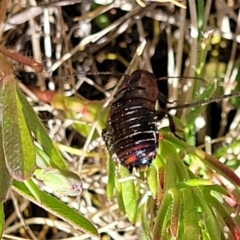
(21, 218)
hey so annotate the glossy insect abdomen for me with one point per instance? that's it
(132, 128)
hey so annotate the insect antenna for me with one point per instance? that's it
(182, 77)
(84, 74)
(204, 102)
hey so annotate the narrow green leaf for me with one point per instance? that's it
(168, 155)
(208, 218)
(175, 211)
(200, 16)
(232, 223)
(152, 179)
(224, 150)
(17, 140)
(34, 189)
(236, 101)
(58, 208)
(43, 161)
(40, 133)
(129, 195)
(217, 190)
(1, 219)
(146, 235)
(5, 178)
(118, 187)
(111, 177)
(191, 218)
(204, 44)
(161, 216)
(219, 167)
(207, 159)
(194, 182)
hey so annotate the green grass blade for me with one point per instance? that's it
(58, 208)
(111, 177)
(1, 219)
(161, 216)
(18, 144)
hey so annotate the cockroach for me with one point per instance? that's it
(131, 135)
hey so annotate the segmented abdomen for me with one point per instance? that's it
(131, 135)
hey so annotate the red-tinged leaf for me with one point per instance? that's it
(232, 223)
(231, 200)
(88, 109)
(207, 159)
(5, 68)
(162, 217)
(218, 166)
(45, 96)
(18, 145)
(38, 67)
(176, 209)
(74, 108)
(236, 233)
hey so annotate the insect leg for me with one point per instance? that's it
(163, 100)
(161, 114)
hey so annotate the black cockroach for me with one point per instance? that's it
(131, 135)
